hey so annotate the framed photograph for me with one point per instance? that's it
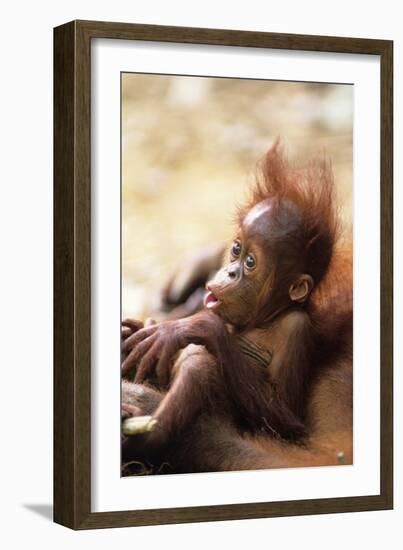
(222, 274)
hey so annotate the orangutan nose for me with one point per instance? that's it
(233, 271)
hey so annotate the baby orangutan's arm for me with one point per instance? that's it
(247, 386)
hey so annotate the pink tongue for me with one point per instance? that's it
(210, 299)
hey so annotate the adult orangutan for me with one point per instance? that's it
(262, 377)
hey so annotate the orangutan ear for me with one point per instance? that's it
(301, 288)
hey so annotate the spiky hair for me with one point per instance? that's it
(308, 192)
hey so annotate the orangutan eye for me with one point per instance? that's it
(250, 262)
(236, 249)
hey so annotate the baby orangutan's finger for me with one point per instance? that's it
(129, 327)
(135, 339)
(164, 367)
(133, 324)
(126, 332)
(146, 365)
(136, 354)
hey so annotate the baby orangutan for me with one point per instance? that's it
(251, 353)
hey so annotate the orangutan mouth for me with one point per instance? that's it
(210, 299)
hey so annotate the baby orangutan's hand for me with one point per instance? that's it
(154, 348)
(129, 327)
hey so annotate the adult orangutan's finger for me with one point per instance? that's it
(134, 324)
(135, 339)
(136, 354)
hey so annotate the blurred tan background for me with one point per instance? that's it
(189, 150)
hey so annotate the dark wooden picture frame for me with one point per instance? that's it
(72, 270)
